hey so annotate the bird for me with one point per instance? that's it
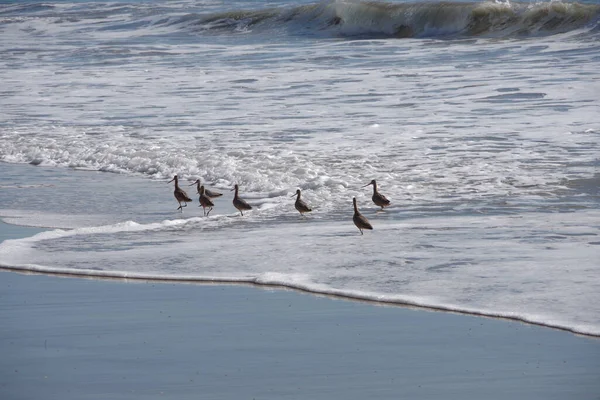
(180, 194)
(238, 203)
(207, 192)
(205, 201)
(360, 220)
(300, 205)
(378, 198)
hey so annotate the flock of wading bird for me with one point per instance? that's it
(206, 196)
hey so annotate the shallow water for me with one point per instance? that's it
(486, 140)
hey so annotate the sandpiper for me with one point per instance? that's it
(205, 201)
(180, 194)
(300, 205)
(238, 203)
(378, 198)
(207, 192)
(360, 220)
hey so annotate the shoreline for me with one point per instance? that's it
(539, 315)
(91, 338)
(15, 231)
(80, 337)
(114, 276)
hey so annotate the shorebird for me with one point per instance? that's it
(238, 203)
(300, 205)
(205, 201)
(360, 220)
(207, 192)
(378, 198)
(180, 194)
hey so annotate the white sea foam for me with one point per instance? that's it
(511, 266)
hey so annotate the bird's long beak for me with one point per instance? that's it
(171, 180)
(294, 195)
(192, 184)
(366, 184)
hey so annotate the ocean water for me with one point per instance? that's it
(480, 122)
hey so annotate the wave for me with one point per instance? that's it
(277, 281)
(15, 255)
(333, 18)
(401, 20)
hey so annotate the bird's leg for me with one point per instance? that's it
(209, 211)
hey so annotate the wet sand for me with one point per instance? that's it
(72, 338)
(76, 338)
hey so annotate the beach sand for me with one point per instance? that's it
(74, 338)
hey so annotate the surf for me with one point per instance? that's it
(351, 19)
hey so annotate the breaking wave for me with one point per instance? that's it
(334, 18)
(401, 20)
